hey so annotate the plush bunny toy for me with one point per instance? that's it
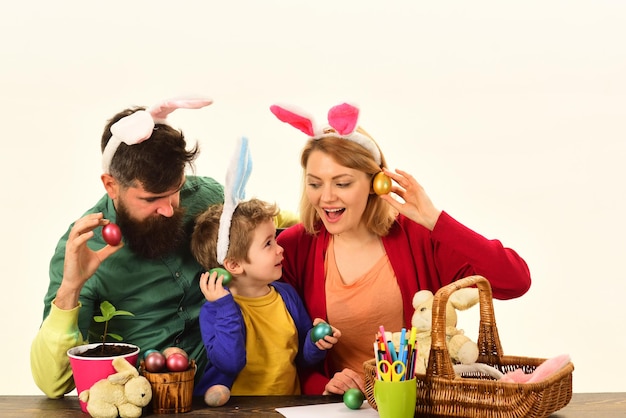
(462, 349)
(122, 394)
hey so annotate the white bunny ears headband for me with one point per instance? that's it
(237, 176)
(138, 127)
(342, 119)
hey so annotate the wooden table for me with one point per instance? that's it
(582, 405)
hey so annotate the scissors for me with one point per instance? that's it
(391, 372)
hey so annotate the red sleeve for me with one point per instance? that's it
(312, 382)
(462, 252)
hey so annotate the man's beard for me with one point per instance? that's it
(154, 237)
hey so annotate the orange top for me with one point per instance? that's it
(359, 309)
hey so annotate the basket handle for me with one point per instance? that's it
(489, 347)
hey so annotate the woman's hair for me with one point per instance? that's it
(379, 215)
(247, 216)
(158, 163)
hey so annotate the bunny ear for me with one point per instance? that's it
(160, 111)
(138, 126)
(133, 128)
(244, 168)
(234, 192)
(238, 172)
(303, 123)
(343, 118)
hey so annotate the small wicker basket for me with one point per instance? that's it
(442, 393)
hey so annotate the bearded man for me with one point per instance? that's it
(151, 273)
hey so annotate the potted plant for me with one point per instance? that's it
(93, 362)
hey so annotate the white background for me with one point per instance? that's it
(511, 114)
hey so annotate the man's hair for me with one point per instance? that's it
(247, 216)
(158, 163)
(378, 215)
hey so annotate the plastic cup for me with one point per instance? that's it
(395, 399)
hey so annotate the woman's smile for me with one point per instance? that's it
(334, 215)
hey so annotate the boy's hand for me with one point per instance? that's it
(328, 341)
(211, 286)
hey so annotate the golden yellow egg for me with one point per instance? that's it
(381, 183)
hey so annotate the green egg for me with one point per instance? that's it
(222, 272)
(320, 331)
(353, 398)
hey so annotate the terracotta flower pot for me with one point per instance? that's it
(89, 370)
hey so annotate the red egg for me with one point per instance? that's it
(112, 234)
(177, 362)
(154, 362)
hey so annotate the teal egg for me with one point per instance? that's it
(222, 272)
(151, 350)
(320, 331)
(353, 398)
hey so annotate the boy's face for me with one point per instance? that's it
(265, 254)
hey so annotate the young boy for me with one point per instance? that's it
(256, 331)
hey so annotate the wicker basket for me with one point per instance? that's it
(441, 393)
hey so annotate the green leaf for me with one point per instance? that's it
(107, 309)
(122, 313)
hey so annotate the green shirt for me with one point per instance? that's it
(163, 294)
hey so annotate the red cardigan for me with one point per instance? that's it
(421, 259)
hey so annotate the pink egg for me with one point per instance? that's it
(176, 362)
(154, 362)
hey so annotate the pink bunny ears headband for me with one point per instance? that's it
(138, 127)
(342, 119)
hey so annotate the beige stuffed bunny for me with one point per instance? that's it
(462, 349)
(122, 394)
